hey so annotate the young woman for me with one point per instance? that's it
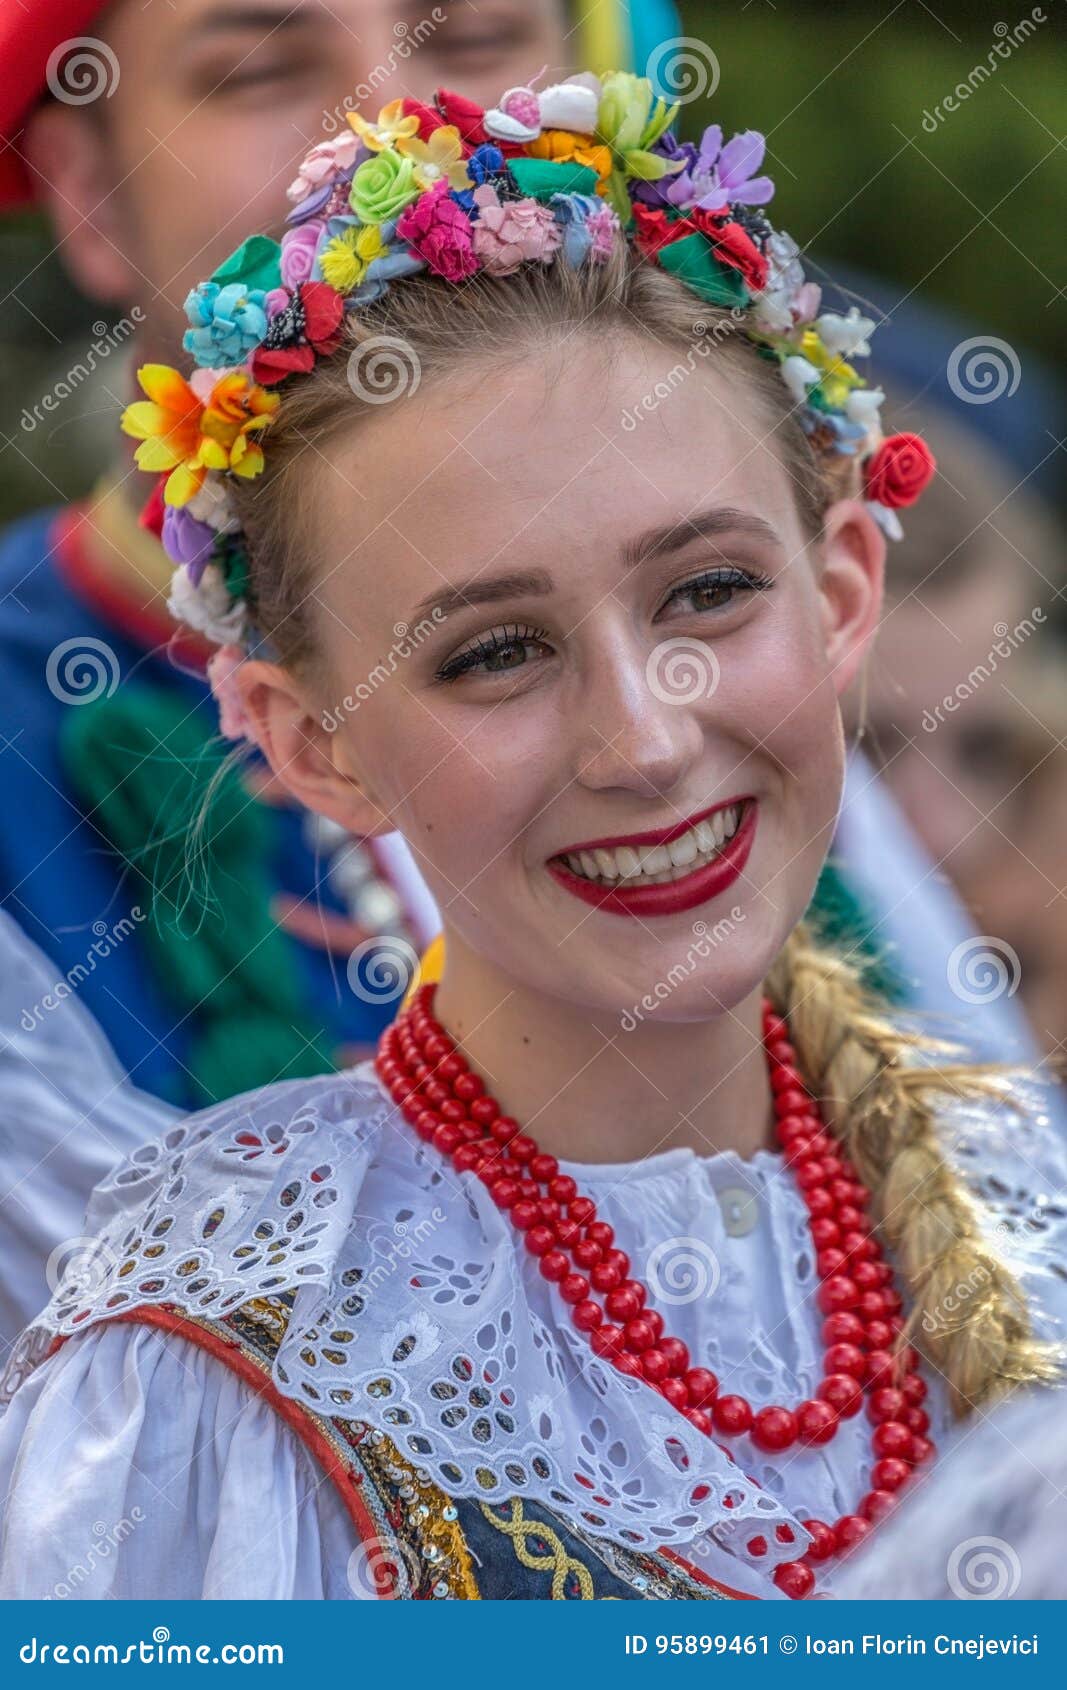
(635, 1266)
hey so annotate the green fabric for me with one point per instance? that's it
(157, 785)
(840, 918)
(540, 178)
(693, 260)
(256, 263)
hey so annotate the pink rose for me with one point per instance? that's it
(603, 225)
(298, 252)
(322, 162)
(513, 232)
(439, 231)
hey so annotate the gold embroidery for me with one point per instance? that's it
(557, 1557)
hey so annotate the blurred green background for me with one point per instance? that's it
(970, 216)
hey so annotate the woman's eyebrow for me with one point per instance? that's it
(655, 542)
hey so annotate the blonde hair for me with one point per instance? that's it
(881, 1095)
(878, 1104)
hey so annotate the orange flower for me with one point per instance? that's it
(181, 434)
(562, 145)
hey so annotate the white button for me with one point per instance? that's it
(739, 1210)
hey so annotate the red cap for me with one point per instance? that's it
(29, 35)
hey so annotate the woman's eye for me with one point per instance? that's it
(716, 590)
(499, 653)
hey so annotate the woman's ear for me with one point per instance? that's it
(850, 584)
(310, 758)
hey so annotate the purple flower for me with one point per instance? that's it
(187, 541)
(714, 175)
(655, 194)
(298, 252)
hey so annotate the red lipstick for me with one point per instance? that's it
(708, 881)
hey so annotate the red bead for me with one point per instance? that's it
(867, 1275)
(437, 1092)
(891, 1438)
(823, 1540)
(605, 1340)
(881, 1367)
(916, 1420)
(427, 1123)
(587, 1316)
(879, 1334)
(785, 1078)
(836, 1294)
(447, 1137)
(829, 1262)
(575, 1288)
(780, 1050)
(921, 1450)
(775, 1026)
(794, 1580)
(842, 1328)
(890, 1473)
(554, 1264)
(791, 1101)
(702, 1385)
(467, 1087)
(877, 1504)
(845, 1358)
(675, 1392)
(639, 1334)
(549, 1211)
(870, 1305)
(605, 1277)
(587, 1254)
(627, 1363)
(825, 1232)
(808, 1173)
(624, 1303)
(599, 1232)
(677, 1355)
(850, 1530)
(504, 1128)
(816, 1422)
(774, 1429)
(842, 1394)
(819, 1201)
(849, 1219)
(540, 1238)
(732, 1415)
(655, 1320)
(467, 1158)
(522, 1149)
(698, 1418)
(886, 1403)
(914, 1388)
(484, 1110)
(543, 1168)
(563, 1189)
(619, 1259)
(654, 1366)
(582, 1210)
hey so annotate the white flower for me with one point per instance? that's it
(798, 375)
(864, 404)
(212, 505)
(887, 520)
(570, 105)
(846, 336)
(773, 310)
(208, 607)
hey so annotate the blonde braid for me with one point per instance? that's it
(882, 1108)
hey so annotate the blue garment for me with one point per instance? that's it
(58, 873)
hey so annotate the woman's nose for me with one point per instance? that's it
(641, 724)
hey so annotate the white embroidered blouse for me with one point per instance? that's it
(417, 1309)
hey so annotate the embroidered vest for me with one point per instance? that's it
(420, 1543)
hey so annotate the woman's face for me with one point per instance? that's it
(548, 634)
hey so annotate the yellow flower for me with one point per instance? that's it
(392, 127)
(837, 378)
(181, 434)
(562, 145)
(441, 155)
(346, 257)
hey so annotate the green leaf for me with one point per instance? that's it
(256, 263)
(540, 178)
(692, 260)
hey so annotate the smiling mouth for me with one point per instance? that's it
(638, 865)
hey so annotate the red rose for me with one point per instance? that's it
(733, 245)
(309, 328)
(654, 230)
(429, 120)
(897, 473)
(151, 517)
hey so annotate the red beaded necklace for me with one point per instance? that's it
(447, 1104)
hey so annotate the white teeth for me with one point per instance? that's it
(683, 850)
(654, 865)
(605, 862)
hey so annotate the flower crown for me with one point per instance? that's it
(556, 176)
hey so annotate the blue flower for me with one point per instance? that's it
(227, 323)
(572, 212)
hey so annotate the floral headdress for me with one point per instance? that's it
(556, 176)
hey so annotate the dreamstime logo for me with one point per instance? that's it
(983, 369)
(107, 939)
(384, 368)
(985, 1568)
(681, 671)
(680, 1270)
(705, 939)
(107, 339)
(81, 670)
(983, 969)
(1007, 641)
(81, 69)
(721, 329)
(1007, 40)
(79, 1266)
(380, 970)
(407, 640)
(683, 69)
(408, 40)
(373, 1569)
